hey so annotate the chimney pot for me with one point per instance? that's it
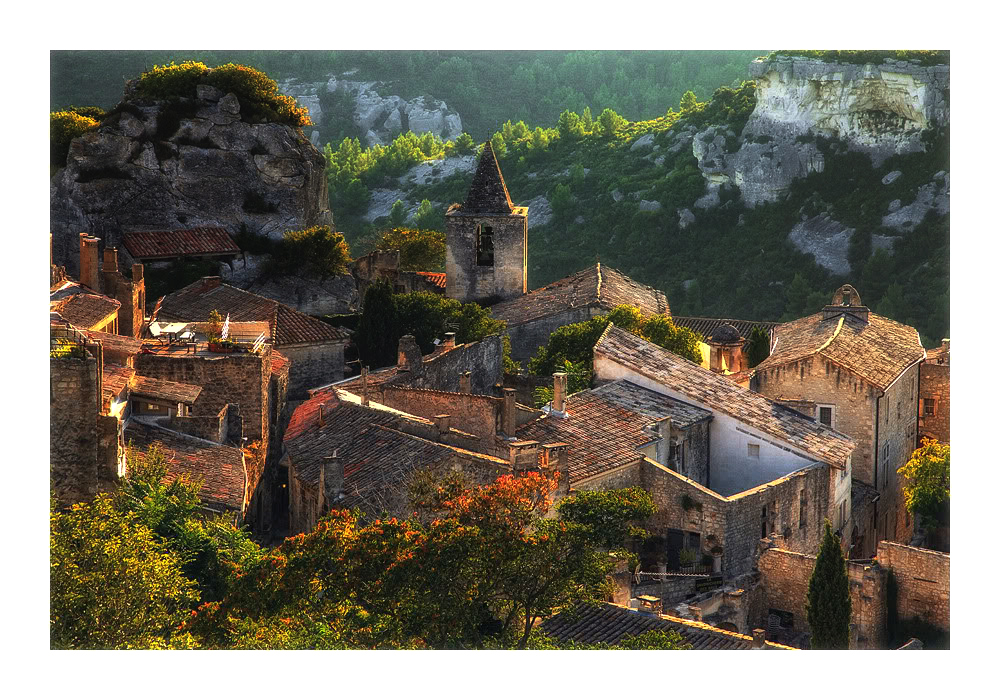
(443, 423)
(136, 272)
(758, 638)
(449, 340)
(88, 262)
(508, 412)
(409, 355)
(465, 383)
(332, 478)
(321, 418)
(110, 260)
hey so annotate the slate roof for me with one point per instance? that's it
(715, 392)
(651, 404)
(221, 466)
(288, 326)
(81, 306)
(195, 242)
(373, 451)
(877, 351)
(175, 392)
(602, 434)
(599, 285)
(488, 192)
(609, 623)
(438, 279)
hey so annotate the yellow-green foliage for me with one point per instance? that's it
(258, 94)
(317, 251)
(418, 250)
(63, 128)
(173, 80)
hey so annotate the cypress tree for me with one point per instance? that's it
(376, 337)
(829, 602)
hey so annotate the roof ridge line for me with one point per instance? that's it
(836, 332)
(598, 280)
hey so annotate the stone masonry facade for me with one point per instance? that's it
(313, 365)
(923, 582)
(784, 580)
(935, 385)
(507, 277)
(883, 426)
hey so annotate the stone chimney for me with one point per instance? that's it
(524, 456)
(726, 349)
(758, 638)
(449, 340)
(443, 425)
(364, 386)
(88, 262)
(332, 478)
(110, 260)
(410, 358)
(508, 412)
(136, 272)
(555, 463)
(322, 420)
(559, 393)
(663, 430)
(465, 383)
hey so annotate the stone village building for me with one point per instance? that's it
(858, 373)
(935, 394)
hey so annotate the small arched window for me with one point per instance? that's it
(484, 245)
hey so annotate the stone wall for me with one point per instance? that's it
(526, 338)
(207, 427)
(696, 452)
(472, 413)
(923, 582)
(77, 458)
(935, 383)
(484, 359)
(313, 365)
(897, 438)
(785, 582)
(507, 278)
(238, 378)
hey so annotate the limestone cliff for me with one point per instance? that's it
(184, 163)
(881, 110)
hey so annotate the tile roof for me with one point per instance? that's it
(877, 351)
(81, 306)
(221, 466)
(609, 623)
(114, 379)
(601, 434)
(175, 392)
(438, 279)
(374, 452)
(288, 326)
(488, 192)
(715, 392)
(651, 404)
(279, 363)
(392, 374)
(124, 344)
(599, 285)
(706, 326)
(203, 241)
(940, 355)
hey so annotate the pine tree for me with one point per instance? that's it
(828, 606)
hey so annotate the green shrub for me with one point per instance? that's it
(317, 251)
(63, 128)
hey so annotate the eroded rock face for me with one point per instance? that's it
(881, 110)
(379, 117)
(192, 163)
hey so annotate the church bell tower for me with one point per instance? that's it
(487, 239)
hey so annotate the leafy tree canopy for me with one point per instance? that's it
(419, 249)
(927, 489)
(317, 251)
(609, 514)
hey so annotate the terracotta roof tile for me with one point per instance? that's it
(602, 434)
(175, 392)
(877, 351)
(279, 363)
(710, 390)
(940, 355)
(438, 279)
(221, 466)
(203, 241)
(288, 326)
(609, 623)
(651, 404)
(114, 379)
(595, 286)
(123, 344)
(81, 306)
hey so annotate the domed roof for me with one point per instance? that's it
(726, 333)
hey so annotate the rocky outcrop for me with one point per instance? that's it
(191, 162)
(934, 196)
(379, 118)
(877, 109)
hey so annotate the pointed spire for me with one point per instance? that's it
(488, 193)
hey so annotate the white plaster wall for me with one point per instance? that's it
(730, 471)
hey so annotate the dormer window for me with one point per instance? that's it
(484, 246)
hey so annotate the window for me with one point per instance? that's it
(753, 450)
(803, 508)
(826, 415)
(899, 409)
(763, 522)
(911, 389)
(484, 246)
(842, 520)
(928, 407)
